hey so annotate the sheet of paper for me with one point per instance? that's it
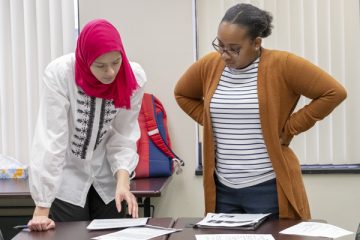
(316, 229)
(230, 220)
(98, 224)
(137, 233)
(234, 237)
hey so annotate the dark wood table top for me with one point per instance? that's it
(14, 188)
(149, 187)
(268, 227)
(78, 231)
(144, 187)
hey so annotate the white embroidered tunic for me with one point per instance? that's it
(80, 140)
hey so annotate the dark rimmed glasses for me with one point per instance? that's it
(221, 50)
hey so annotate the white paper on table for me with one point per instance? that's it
(137, 233)
(234, 237)
(316, 229)
(98, 224)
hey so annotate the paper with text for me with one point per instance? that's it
(316, 229)
(98, 224)
(137, 233)
(234, 237)
(230, 220)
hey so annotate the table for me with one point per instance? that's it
(268, 227)
(146, 188)
(143, 189)
(17, 206)
(78, 231)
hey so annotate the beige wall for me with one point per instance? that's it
(335, 198)
(159, 35)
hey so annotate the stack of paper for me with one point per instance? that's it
(316, 229)
(135, 229)
(238, 221)
(138, 233)
(234, 237)
(98, 224)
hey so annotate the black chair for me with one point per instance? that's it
(357, 236)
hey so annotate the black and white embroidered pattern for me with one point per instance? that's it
(84, 123)
(107, 114)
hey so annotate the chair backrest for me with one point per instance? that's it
(357, 236)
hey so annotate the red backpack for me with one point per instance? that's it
(156, 159)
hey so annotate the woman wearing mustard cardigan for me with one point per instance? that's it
(245, 96)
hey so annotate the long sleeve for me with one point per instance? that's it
(189, 92)
(125, 131)
(310, 81)
(50, 139)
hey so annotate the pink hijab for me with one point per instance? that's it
(96, 38)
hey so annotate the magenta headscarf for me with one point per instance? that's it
(96, 38)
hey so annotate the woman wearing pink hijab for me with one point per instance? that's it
(84, 147)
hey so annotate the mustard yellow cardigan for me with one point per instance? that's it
(282, 79)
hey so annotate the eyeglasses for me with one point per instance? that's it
(221, 50)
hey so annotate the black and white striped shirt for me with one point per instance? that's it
(242, 159)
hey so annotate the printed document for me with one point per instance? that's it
(234, 237)
(138, 233)
(316, 229)
(214, 220)
(98, 224)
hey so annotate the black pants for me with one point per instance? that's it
(261, 198)
(61, 211)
